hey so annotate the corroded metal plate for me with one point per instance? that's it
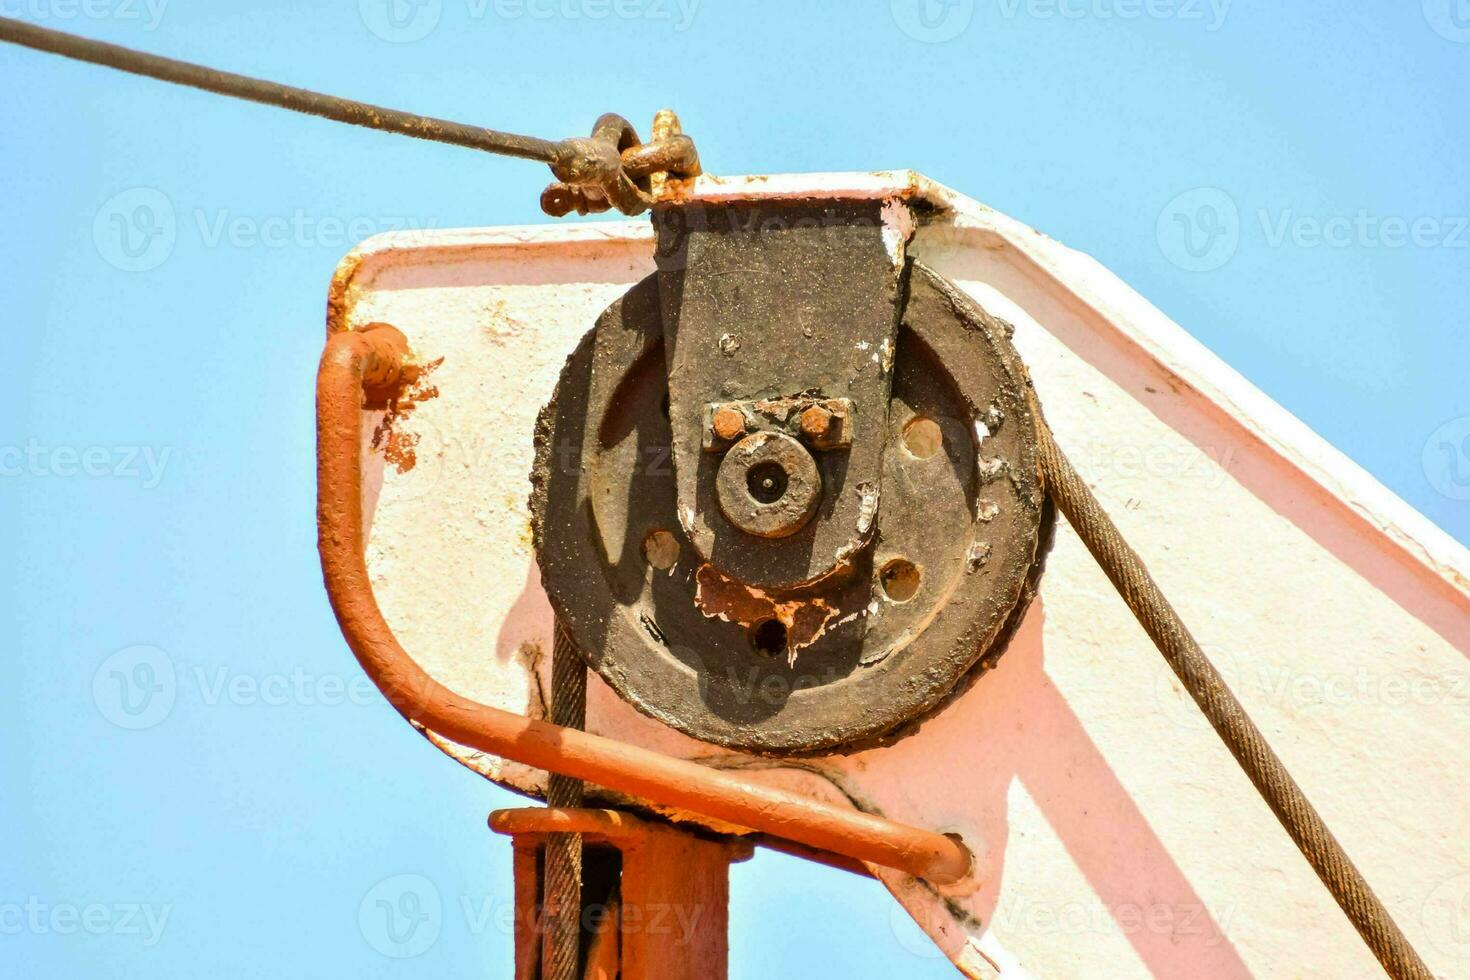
(770, 304)
(836, 665)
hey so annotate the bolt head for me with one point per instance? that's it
(816, 421)
(728, 424)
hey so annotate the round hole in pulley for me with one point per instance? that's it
(768, 637)
(900, 579)
(922, 437)
(766, 482)
(661, 549)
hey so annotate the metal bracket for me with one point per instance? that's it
(771, 309)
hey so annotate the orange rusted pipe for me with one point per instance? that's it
(362, 367)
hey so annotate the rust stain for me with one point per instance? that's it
(532, 658)
(500, 321)
(343, 292)
(399, 447)
(721, 597)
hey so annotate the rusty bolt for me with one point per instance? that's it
(816, 422)
(728, 424)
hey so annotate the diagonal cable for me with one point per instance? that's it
(1262, 766)
(275, 94)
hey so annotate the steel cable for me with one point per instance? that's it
(561, 896)
(592, 173)
(1265, 770)
(275, 94)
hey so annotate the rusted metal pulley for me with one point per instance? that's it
(786, 492)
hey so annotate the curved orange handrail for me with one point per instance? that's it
(370, 362)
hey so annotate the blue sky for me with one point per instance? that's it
(1291, 183)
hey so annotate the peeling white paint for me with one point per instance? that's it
(987, 468)
(898, 228)
(867, 507)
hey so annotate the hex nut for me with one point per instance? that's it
(816, 422)
(768, 485)
(728, 424)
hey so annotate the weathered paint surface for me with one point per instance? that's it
(1116, 836)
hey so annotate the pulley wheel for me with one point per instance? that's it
(835, 664)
